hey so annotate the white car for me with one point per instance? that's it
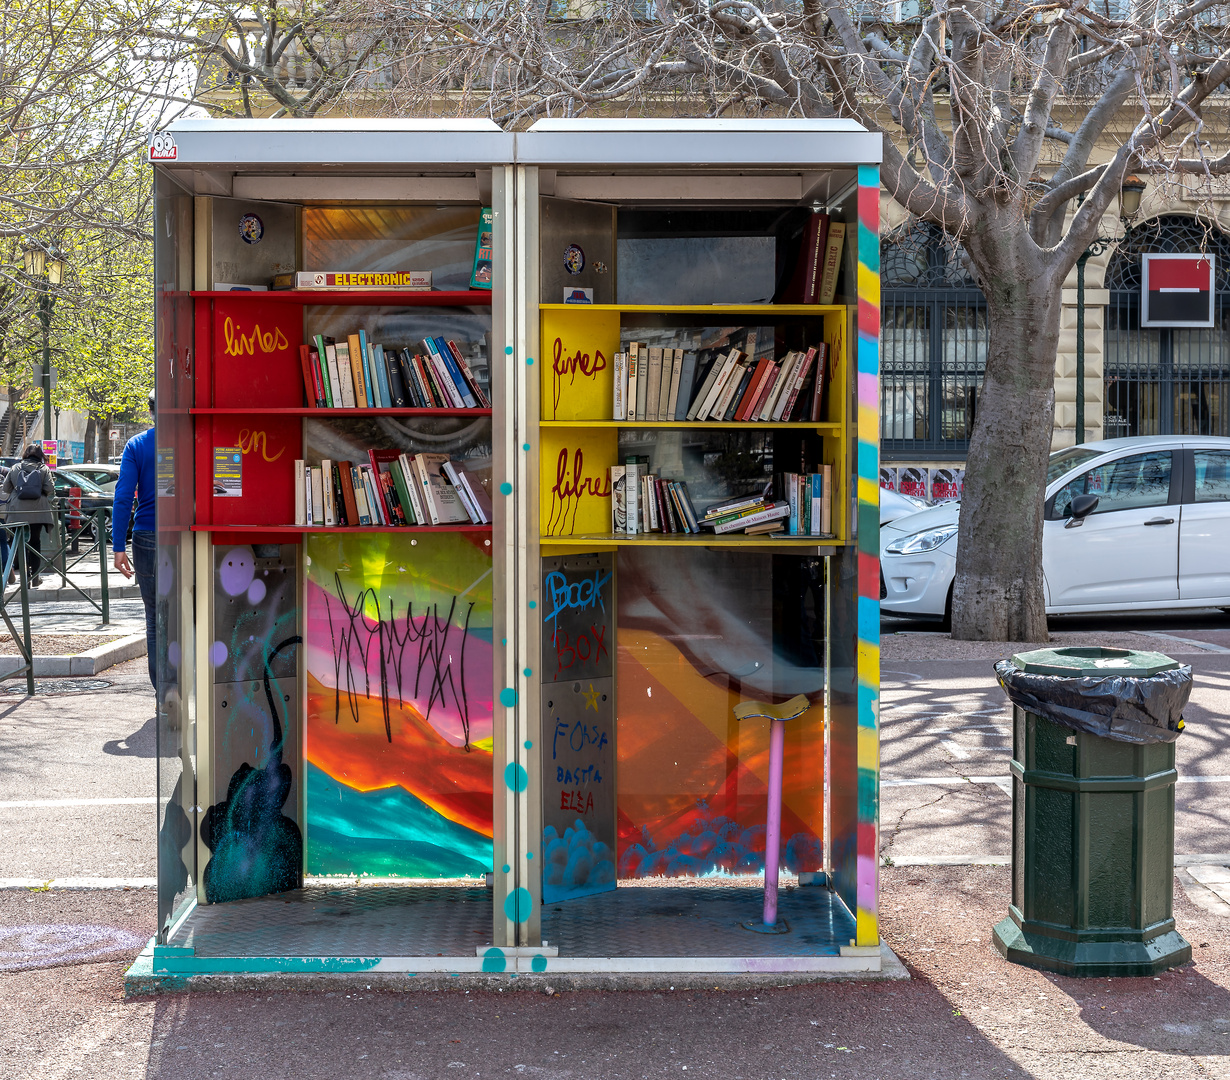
(1130, 524)
(894, 505)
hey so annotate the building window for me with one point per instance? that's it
(1163, 381)
(933, 345)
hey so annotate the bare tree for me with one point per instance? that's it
(998, 114)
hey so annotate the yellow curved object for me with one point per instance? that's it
(787, 710)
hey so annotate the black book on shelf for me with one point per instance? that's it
(397, 386)
(413, 393)
(339, 498)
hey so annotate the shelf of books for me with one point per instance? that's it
(298, 394)
(718, 426)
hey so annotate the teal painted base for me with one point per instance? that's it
(1090, 959)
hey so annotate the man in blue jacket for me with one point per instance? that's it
(137, 472)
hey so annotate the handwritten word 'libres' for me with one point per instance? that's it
(571, 486)
(239, 344)
(562, 365)
(251, 441)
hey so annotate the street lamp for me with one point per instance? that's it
(1130, 191)
(46, 267)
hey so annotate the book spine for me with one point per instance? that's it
(397, 389)
(702, 394)
(619, 496)
(346, 480)
(772, 513)
(370, 391)
(686, 378)
(664, 392)
(824, 372)
(335, 380)
(300, 495)
(718, 412)
(414, 280)
(780, 386)
(393, 489)
(642, 383)
(363, 514)
(617, 398)
(826, 499)
(766, 387)
(817, 235)
(792, 500)
(752, 393)
(318, 496)
(797, 382)
(375, 504)
(309, 384)
(672, 397)
(309, 511)
(342, 351)
(322, 353)
(689, 508)
(653, 389)
(445, 382)
(632, 499)
(634, 381)
(357, 363)
(729, 367)
(477, 495)
(468, 400)
(832, 262)
(326, 483)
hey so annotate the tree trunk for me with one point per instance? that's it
(998, 594)
(91, 434)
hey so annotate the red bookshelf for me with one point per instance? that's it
(294, 530)
(331, 298)
(342, 412)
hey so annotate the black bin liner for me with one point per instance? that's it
(1119, 707)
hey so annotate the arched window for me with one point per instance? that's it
(933, 344)
(1162, 381)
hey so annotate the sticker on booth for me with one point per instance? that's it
(228, 472)
(162, 147)
(164, 475)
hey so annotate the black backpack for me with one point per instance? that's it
(29, 485)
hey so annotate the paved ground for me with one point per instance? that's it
(965, 1012)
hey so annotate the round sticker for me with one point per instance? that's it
(251, 229)
(574, 259)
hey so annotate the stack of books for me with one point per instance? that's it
(362, 281)
(644, 503)
(752, 515)
(390, 489)
(357, 373)
(661, 384)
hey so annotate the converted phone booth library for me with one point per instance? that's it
(518, 564)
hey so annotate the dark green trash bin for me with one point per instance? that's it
(1093, 813)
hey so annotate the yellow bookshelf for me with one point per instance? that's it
(579, 442)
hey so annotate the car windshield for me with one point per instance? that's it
(1063, 461)
(67, 480)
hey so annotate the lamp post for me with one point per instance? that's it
(46, 267)
(1130, 192)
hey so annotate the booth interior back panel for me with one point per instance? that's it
(251, 829)
(699, 632)
(399, 705)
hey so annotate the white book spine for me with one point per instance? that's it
(617, 403)
(443, 377)
(720, 407)
(719, 384)
(672, 398)
(619, 498)
(632, 507)
(300, 492)
(326, 482)
(633, 381)
(784, 374)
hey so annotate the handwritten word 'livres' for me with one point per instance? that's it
(259, 341)
(563, 365)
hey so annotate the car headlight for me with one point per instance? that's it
(928, 540)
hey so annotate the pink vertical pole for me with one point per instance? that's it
(773, 831)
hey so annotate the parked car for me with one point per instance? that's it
(894, 505)
(1130, 524)
(104, 475)
(92, 496)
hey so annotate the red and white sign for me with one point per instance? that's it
(162, 147)
(1177, 290)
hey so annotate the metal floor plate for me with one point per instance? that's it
(694, 920)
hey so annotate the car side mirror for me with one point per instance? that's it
(1082, 507)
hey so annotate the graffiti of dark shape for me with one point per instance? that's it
(174, 835)
(256, 849)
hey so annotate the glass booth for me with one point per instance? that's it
(518, 577)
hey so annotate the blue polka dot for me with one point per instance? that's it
(508, 697)
(533, 604)
(539, 963)
(529, 745)
(529, 360)
(503, 641)
(506, 488)
(506, 868)
(518, 904)
(525, 446)
(516, 777)
(495, 960)
(528, 672)
(508, 350)
(529, 854)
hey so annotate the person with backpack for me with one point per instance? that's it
(30, 490)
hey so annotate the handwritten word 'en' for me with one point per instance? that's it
(251, 441)
(562, 365)
(237, 344)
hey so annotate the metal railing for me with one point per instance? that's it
(18, 537)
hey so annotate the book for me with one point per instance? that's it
(472, 494)
(632, 497)
(414, 491)
(766, 387)
(370, 382)
(398, 397)
(318, 496)
(300, 492)
(358, 363)
(797, 381)
(358, 490)
(804, 284)
(730, 387)
(776, 512)
(619, 370)
(642, 382)
(481, 273)
(619, 498)
(763, 528)
(824, 373)
(754, 386)
(309, 378)
(733, 506)
(653, 390)
(395, 490)
(664, 392)
(345, 478)
(439, 497)
(716, 383)
(375, 505)
(781, 384)
(712, 366)
(683, 393)
(444, 381)
(832, 262)
(322, 353)
(633, 381)
(468, 400)
(408, 280)
(826, 500)
(346, 374)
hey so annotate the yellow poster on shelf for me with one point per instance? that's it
(575, 480)
(578, 346)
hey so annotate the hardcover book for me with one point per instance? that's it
(480, 275)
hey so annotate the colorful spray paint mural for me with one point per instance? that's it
(251, 831)
(399, 705)
(698, 633)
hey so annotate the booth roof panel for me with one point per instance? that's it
(402, 145)
(629, 144)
